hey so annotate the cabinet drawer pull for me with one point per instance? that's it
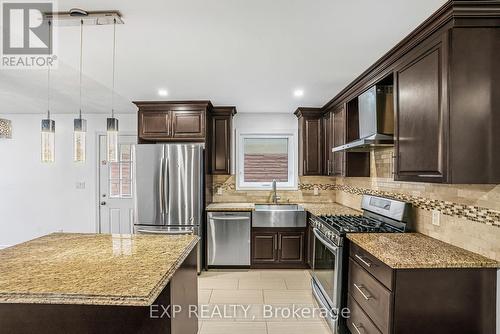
(360, 288)
(366, 263)
(357, 328)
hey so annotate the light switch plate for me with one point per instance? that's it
(436, 217)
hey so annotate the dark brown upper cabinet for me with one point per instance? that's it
(328, 134)
(448, 107)
(422, 114)
(188, 123)
(338, 140)
(446, 98)
(172, 121)
(310, 141)
(221, 129)
(155, 125)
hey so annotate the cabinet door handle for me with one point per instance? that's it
(393, 164)
(357, 328)
(360, 288)
(328, 167)
(304, 167)
(366, 263)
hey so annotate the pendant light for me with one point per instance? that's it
(5, 128)
(80, 125)
(112, 123)
(48, 125)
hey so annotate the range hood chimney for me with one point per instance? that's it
(375, 120)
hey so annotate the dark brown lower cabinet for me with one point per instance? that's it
(264, 247)
(430, 300)
(310, 246)
(279, 248)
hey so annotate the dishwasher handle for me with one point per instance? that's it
(229, 218)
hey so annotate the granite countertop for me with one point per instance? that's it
(415, 250)
(92, 269)
(317, 209)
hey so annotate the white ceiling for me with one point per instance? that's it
(252, 54)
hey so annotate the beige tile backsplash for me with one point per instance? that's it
(469, 214)
(305, 194)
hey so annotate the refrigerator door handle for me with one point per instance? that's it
(161, 185)
(166, 190)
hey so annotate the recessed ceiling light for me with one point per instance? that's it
(298, 93)
(162, 92)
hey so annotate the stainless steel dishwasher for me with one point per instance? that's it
(228, 239)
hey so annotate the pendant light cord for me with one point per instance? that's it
(48, 72)
(81, 65)
(113, 79)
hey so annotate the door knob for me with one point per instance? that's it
(103, 203)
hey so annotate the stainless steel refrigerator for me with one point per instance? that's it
(168, 189)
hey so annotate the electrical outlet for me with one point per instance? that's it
(316, 191)
(219, 191)
(80, 185)
(436, 217)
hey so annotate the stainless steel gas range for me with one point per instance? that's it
(380, 215)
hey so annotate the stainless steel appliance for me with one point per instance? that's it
(375, 120)
(228, 238)
(279, 215)
(330, 253)
(168, 189)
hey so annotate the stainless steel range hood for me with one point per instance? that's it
(367, 144)
(375, 120)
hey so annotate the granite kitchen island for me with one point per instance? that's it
(98, 283)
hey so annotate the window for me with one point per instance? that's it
(120, 174)
(264, 158)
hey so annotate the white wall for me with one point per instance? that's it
(37, 198)
(263, 123)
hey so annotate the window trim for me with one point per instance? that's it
(292, 183)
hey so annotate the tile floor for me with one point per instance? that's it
(258, 302)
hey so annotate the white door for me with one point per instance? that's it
(116, 205)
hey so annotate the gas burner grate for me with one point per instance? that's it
(351, 224)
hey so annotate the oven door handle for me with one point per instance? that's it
(328, 244)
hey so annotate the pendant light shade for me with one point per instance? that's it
(112, 139)
(80, 125)
(79, 137)
(5, 128)
(48, 140)
(48, 133)
(112, 123)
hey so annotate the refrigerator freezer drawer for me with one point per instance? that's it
(228, 236)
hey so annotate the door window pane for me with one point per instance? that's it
(120, 174)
